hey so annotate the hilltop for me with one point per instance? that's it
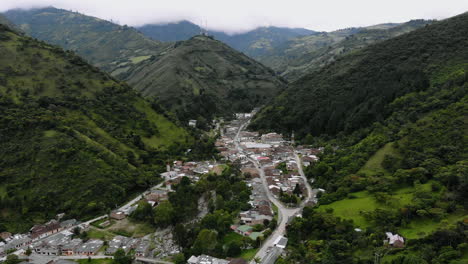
(254, 43)
(392, 121)
(356, 90)
(109, 46)
(301, 55)
(74, 139)
(201, 78)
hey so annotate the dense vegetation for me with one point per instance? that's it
(254, 43)
(404, 170)
(196, 233)
(301, 55)
(356, 90)
(201, 78)
(109, 46)
(74, 139)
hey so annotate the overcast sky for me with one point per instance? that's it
(242, 15)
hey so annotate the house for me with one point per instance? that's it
(244, 230)
(281, 242)
(46, 249)
(205, 259)
(90, 248)
(394, 240)
(117, 215)
(192, 123)
(157, 195)
(116, 243)
(238, 261)
(142, 249)
(41, 231)
(68, 223)
(69, 248)
(18, 242)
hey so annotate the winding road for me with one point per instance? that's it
(284, 213)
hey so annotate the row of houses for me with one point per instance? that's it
(205, 259)
(141, 246)
(36, 233)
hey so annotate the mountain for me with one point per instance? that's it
(392, 121)
(202, 78)
(357, 89)
(298, 56)
(253, 43)
(6, 22)
(171, 32)
(74, 139)
(109, 46)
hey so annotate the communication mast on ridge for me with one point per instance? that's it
(204, 28)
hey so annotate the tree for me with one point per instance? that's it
(206, 241)
(143, 212)
(121, 258)
(163, 214)
(297, 190)
(12, 259)
(28, 252)
(233, 249)
(179, 259)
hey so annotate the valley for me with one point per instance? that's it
(170, 142)
(48, 245)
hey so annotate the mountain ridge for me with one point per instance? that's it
(204, 76)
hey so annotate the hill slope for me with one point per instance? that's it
(300, 55)
(106, 45)
(396, 155)
(74, 140)
(356, 90)
(253, 43)
(202, 77)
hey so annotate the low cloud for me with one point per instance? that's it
(242, 15)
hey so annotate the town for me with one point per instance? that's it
(273, 169)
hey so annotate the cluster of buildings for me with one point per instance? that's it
(191, 169)
(205, 259)
(394, 240)
(41, 238)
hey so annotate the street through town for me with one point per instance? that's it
(284, 213)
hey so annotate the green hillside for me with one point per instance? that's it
(300, 55)
(109, 46)
(357, 89)
(202, 77)
(395, 157)
(74, 139)
(254, 43)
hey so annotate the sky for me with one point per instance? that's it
(237, 16)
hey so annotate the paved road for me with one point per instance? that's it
(284, 213)
(150, 260)
(123, 207)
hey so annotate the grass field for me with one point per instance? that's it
(248, 254)
(95, 261)
(364, 202)
(373, 165)
(230, 237)
(422, 227)
(100, 234)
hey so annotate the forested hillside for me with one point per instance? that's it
(401, 167)
(109, 46)
(201, 78)
(301, 55)
(254, 43)
(356, 90)
(74, 139)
